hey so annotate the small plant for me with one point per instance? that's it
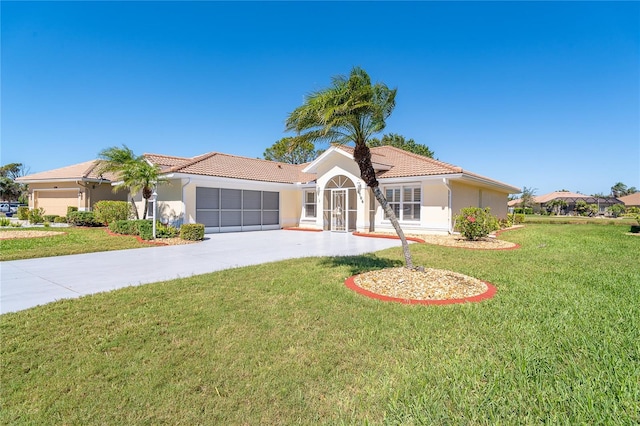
(475, 223)
(23, 213)
(50, 217)
(60, 219)
(47, 224)
(4, 221)
(16, 224)
(165, 231)
(36, 215)
(192, 232)
(110, 211)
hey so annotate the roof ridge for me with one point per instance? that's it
(420, 157)
(194, 160)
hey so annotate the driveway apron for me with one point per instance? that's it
(32, 282)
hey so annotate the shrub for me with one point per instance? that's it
(145, 229)
(475, 223)
(505, 222)
(36, 215)
(616, 210)
(71, 209)
(526, 210)
(83, 219)
(519, 218)
(4, 221)
(192, 232)
(165, 231)
(16, 224)
(50, 217)
(110, 211)
(23, 212)
(125, 227)
(60, 219)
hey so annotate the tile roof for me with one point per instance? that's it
(566, 195)
(80, 171)
(631, 199)
(235, 167)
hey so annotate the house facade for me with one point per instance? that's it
(228, 193)
(564, 202)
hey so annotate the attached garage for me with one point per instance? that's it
(233, 210)
(56, 201)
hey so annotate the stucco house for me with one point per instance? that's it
(631, 200)
(231, 193)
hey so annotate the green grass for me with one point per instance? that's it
(288, 343)
(73, 241)
(580, 220)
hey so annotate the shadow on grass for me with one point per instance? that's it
(362, 263)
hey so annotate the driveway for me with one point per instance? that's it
(32, 282)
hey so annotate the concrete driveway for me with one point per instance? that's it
(32, 282)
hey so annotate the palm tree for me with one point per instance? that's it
(350, 110)
(135, 173)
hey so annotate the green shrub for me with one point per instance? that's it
(505, 223)
(4, 221)
(124, 227)
(109, 211)
(23, 213)
(83, 219)
(526, 210)
(50, 217)
(475, 223)
(165, 231)
(192, 232)
(145, 229)
(36, 215)
(71, 209)
(60, 219)
(616, 210)
(518, 218)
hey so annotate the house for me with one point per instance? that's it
(631, 200)
(78, 185)
(231, 193)
(566, 202)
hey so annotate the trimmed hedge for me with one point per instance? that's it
(192, 232)
(129, 227)
(110, 211)
(145, 229)
(50, 217)
(71, 209)
(83, 219)
(60, 219)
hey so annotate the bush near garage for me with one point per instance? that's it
(23, 213)
(110, 211)
(50, 217)
(78, 218)
(36, 215)
(192, 232)
(475, 223)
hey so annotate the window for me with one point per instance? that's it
(404, 201)
(310, 203)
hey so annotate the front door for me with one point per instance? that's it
(339, 210)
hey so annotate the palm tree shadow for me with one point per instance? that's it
(362, 263)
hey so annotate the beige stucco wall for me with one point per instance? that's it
(55, 197)
(465, 195)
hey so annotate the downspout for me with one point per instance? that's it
(184, 204)
(446, 183)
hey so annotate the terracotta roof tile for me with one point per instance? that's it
(631, 199)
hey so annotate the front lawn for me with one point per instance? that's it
(288, 343)
(73, 241)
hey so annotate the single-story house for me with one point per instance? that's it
(546, 202)
(78, 185)
(231, 193)
(631, 200)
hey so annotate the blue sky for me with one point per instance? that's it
(538, 94)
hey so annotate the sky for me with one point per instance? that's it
(543, 95)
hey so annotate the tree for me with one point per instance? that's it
(619, 190)
(291, 150)
(398, 141)
(557, 205)
(350, 110)
(10, 189)
(526, 199)
(13, 170)
(135, 173)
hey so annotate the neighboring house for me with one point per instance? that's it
(230, 193)
(78, 186)
(631, 200)
(545, 202)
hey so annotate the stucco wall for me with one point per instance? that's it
(472, 196)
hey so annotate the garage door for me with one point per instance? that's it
(56, 202)
(232, 210)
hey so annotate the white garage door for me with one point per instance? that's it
(232, 210)
(56, 202)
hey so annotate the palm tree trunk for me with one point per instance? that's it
(146, 208)
(362, 156)
(135, 208)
